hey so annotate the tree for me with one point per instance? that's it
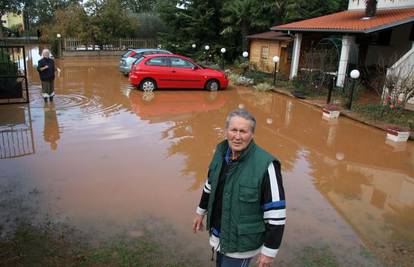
(42, 12)
(306, 9)
(108, 19)
(139, 6)
(70, 22)
(10, 6)
(242, 17)
(188, 22)
(371, 8)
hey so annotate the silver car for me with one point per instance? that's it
(128, 59)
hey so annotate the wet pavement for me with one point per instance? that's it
(104, 156)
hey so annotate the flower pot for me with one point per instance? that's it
(330, 114)
(397, 135)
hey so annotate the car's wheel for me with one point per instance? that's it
(148, 85)
(213, 85)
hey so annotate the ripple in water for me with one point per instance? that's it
(87, 106)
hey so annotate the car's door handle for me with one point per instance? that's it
(173, 71)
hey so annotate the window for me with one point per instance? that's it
(180, 63)
(158, 61)
(264, 53)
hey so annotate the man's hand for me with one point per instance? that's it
(264, 261)
(198, 223)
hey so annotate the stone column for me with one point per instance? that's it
(347, 42)
(295, 56)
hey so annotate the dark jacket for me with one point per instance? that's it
(49, 73)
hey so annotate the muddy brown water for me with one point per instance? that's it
(104, 157)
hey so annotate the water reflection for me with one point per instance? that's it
(51, 132)
(16, 133)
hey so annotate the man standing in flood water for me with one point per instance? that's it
(243, 198)
(46, 68)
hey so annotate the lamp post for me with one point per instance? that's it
(354, 75)
(275, 60)
(59, 44)
(245, 66)
(222, 50)
(193, 46)
(332, 78)
(207, 47)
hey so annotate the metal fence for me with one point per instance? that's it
(73, 44)
(13, 75)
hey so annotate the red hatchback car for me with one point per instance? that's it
(174, 71)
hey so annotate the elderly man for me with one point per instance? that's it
(46, 68)
(243, 198)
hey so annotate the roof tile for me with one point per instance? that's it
(352, 21)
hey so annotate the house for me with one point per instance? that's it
(264, 46)
(11, 20)
(384, 38)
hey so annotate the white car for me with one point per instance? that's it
(128, 59)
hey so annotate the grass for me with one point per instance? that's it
(384, 114)
(58, 245)
(316, 257)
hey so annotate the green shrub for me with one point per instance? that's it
(263, 87)
(379, 112)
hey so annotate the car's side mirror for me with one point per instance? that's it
(195, 68)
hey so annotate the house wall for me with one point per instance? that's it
(360, 4)
(276, 48)
(399, 45)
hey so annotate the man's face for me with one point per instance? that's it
(239, 134)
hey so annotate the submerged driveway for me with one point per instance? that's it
(107, 158)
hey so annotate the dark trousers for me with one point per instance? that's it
(224, 261)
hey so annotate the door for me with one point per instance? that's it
(158, 69)
(184, 74)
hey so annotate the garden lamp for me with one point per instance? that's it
(59, 36)
(354, 75)
(222, 50)
(207, 47)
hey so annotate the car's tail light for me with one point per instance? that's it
(133, 53)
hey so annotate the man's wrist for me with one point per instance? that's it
(269, 251)
(201, 211)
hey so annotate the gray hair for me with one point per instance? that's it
(46, 53)
(243, 114)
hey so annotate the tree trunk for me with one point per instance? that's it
(244, 32)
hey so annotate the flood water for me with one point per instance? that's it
(106, 158)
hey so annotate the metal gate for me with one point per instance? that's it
(16, 133)
(13, 75)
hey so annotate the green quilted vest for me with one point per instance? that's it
(242, 225)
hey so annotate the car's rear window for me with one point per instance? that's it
(158, 61)
(138, 60)
(127, 53)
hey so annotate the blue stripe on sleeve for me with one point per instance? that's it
(275, 204)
